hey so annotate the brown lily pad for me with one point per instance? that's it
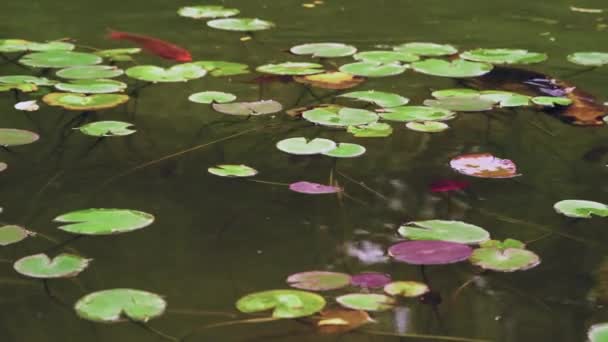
(331, 80)
(336, 321)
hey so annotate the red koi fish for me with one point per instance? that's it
(156, 46)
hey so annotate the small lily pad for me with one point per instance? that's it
(581, 208)
(427, 49)
(249, 108)
(118, 55)
(416, 113)
(507, 243)
(386, 57)
(284, 303)
(456, 69)
(20, 45)
(79, 102)
(222, 68)
(506, 98)
(455, 92)
(209, 97)
(240, 24)
(229, 170)
(379, 98)
(462, 104)
(331, 80)
(19, 79)
(41, 266)
(104, 221)
(335, 321)
(107, 129)
(343, 117)
(59, 59)
(291, 68)
(442, 230)
(372, 130)
(206, 12)
(370, 280)
(593, 59)
(90, 72)
(177, 73)
(504, 56)
(346, 150)
(324, 50)
(504, 260)
(310, 188)
(430, 252)
(119, 305)
(373, 69)
(10, 234)
(551, 101)
(366, 301)
(100, 86)
(406, 289)
(319, 280)
(598, 333)
(484, 165)
(427, 126)
(16, 137)
(302, 146)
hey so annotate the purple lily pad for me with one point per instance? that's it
(313, 188)
(425, 252)
(370, 280)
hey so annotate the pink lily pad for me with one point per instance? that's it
(370, 280)
(427, 252)
(484, 165)
(313, 188)
(447, 185)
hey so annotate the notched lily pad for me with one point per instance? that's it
(324, 50)
(427, 126)
(104, 221)
(373, 69)
(27, 79)
(484, 165)
(366, 301)
(302, 146)
(291, 68)
(222, 68)
(319, 280)
(504, 56)
(209, 97)
(551, 101)
(372, 130)
(284, 303)
(310, 188)
(43, 267)
(346, 150)
(406, 289)
(456, 69)
(118, 55)
(431, 252)
(11, 234)
(231, 170)
(342, 117)
(380, 98)
(240, 24)
(72, 101)
(504, 260)
(427, 49)
(206, 12)
(120, 305)
(443, 230)
(581, 208)
(416, 113)
(59, 59)
(177, 73)
(249, 108)
(107, 129)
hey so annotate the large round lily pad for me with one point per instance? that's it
(346, 150)
(484, 165)
(16, 137)
(385, 57)
(248, 108)
(372, 130)
(504, 260)
(593, 59)
(456, 69)
(119, 305)
(324, 50)
(581, 208)
(598, 333)
(291, 68)
(84, 102)
(97, 86)
(104, 221)
(310, 188)
(206, 12)
(427, 126)
(107, 129)
(302, 146)
(20, 45)
(240, 24)
(177, 73)
(366, 301)
(430, 252)
(59, 59)
(380, 98)
(373, 69)
(340, 117)
(284, 303)
(416, 113)
(231, 170)
(504, 56)
(406, 289)
(90, 72)
(319, 280)
(223, 68)
(442, 230)
(209, 97)
(426, 49)
(10, 234)
(41, 266)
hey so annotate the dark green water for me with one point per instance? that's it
(215, 240)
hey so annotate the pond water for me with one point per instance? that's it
(216, 239)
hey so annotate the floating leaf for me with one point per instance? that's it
(551, 101)
(406, 289)
(313, 188)
(581, 208)
(372, 69)
(430, 252)
(209, 97)
(370, 280)
(504, 56)
(291, 68)
(372, 130)
(228, 170)
(598, 333)
(81, 102)
(504, 260)
(484, 165)
(176, 73)
(101, 86)
(506, 98)
(24, 87)
(442, 230)
(248, 108)
(18, 79)
(301, 146)
(462, 104)
(593, 59)
(104, 221)
(16, 137)
(379, 98)
(426, 49)
(200, 12)
(10, 234)
(366, 301)
(416, 113)
(342, 118)
(427, 126)
(386, 57)
(27, 106)
(221, 68)
(319, 280)
(90, 72)
(41, 266)
(457, 68)
(346, 150)
(284, 303)
(331, 80)
(508, 243)
(119, 305)
(118, 55)
(107, 129)
(20, 45)
(324, 50)
(455, 92)
(340, 321)
(59, 59)
(297, 112)
(240, 24)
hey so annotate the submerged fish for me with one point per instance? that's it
(156, 46)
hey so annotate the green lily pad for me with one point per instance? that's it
(346, 150)
(100, 86)
(593, 59)
(226, 170)
(372, 69)
(319, 280)
(504, 56)
(59, 59)
(27, 79)
(118, 55)
(41, 266)
(386, 57)
(291, 68)
(427, 49)
(324, 50)
(372, 130)
(209, 97)
(456, 69)
(206, 12)
(107, 129)
(598, 333)
(249, 108)
(504, 260)
(416, 113)
(379, 98)
(16, 137)
(104, 221)
(10, 234)
(177, 73)
(221, 68)
(20, 45)
(507, 243)
(406, 289)
(23, 87)
(119, 305)
(302, 146)
(342, 117)
(240, 24)
(455, 92)
(284, 303)
(90, 72)
(581, 208)
(366, 301)
(79, 102)
(427, 126)
(452, 231)
(461, 104)
(473, 100)
(506, 98)
(551, 101)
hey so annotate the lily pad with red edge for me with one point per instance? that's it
(581, 208)
(230, 170)
(406, 289)
(484, 165)
(319, 280)
(335, 321)
(248, 108)
(430, 252)
(331, 80)
(372, 130)
(120, 305)
(81, 102)
(16, 137)
(10, 234)
(310, 188)
(303, 146)
(59, 59)
(370, 280)
(598, 333)
(447, 185)
(324, 50)
(504, 259)
(427, 49)
(366, 301)
(283, 303)
(41, 266)
(444, 230)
